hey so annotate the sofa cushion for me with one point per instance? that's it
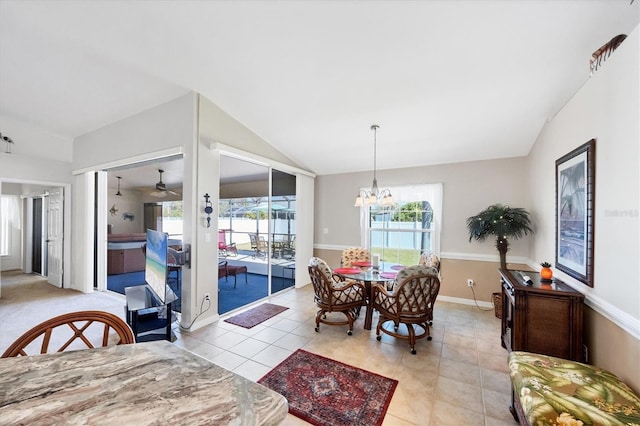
(556, 391)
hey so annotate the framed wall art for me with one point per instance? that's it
(575, 202)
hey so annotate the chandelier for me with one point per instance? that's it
(375, 196)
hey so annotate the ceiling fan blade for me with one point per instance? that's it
(158, 194)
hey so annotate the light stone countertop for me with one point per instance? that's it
(142, 384)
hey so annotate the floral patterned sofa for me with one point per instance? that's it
(554, 391)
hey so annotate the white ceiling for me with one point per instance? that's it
(447, 81)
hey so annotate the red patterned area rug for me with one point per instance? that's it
(322, 391)
(255, 316)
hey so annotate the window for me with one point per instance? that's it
(399, 234)
(172, 218)
(9, 221)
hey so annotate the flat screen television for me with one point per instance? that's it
(156, 269)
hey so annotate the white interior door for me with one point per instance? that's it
(55, 228)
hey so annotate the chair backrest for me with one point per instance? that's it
(175, 257)
(430, 259)
(76, 330)
(354, 254)
(416, 289)
(222, 240)
(321, 278)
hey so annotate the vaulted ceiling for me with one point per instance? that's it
(446, 81)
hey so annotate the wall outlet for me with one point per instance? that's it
(585, 354)
(470, 282)
(207, 296)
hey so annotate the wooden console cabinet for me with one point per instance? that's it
(544, 318)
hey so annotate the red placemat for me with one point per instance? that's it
(397, 267)
(347, 270)
(391, 275)
(361, 263)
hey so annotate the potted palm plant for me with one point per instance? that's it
(503, 222)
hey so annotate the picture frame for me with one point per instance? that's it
(575, 202)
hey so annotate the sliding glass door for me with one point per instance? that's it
(283, 235)
(244, 240)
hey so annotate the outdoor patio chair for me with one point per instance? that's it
(409, 303)
(258, 245)
(225, 249)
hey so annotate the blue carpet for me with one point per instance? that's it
(229, 298)
(118, 282)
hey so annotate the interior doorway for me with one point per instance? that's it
(141, 196)
(33, 230)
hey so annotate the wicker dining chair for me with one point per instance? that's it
(410, 303)
(82, 330)
(332, 295)
(432, 260)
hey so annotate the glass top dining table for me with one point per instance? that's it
(369, 275)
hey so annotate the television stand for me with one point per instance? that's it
(148, 318)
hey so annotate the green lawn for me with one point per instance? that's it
(405, 257)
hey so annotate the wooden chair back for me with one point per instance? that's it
(79, 326)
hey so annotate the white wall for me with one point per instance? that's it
(166, 128)
(468, 188)
(34, 142)
(14, 258)
(607, 109)
(128, 203)
(222, 128)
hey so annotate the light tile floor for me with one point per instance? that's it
(458, 378)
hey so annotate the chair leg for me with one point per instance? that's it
(319, 314)
(235, 280)
(349, 316)
(412, 338)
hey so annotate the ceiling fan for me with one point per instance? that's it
(161, 189)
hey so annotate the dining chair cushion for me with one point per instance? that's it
(430, 259)
(354, 254)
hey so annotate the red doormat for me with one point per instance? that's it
(322, 391)
(255, 316)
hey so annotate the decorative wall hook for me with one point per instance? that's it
(208, 209)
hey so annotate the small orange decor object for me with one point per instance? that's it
(546, 273)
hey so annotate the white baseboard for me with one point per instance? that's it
(199, 324)
(462, 301)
